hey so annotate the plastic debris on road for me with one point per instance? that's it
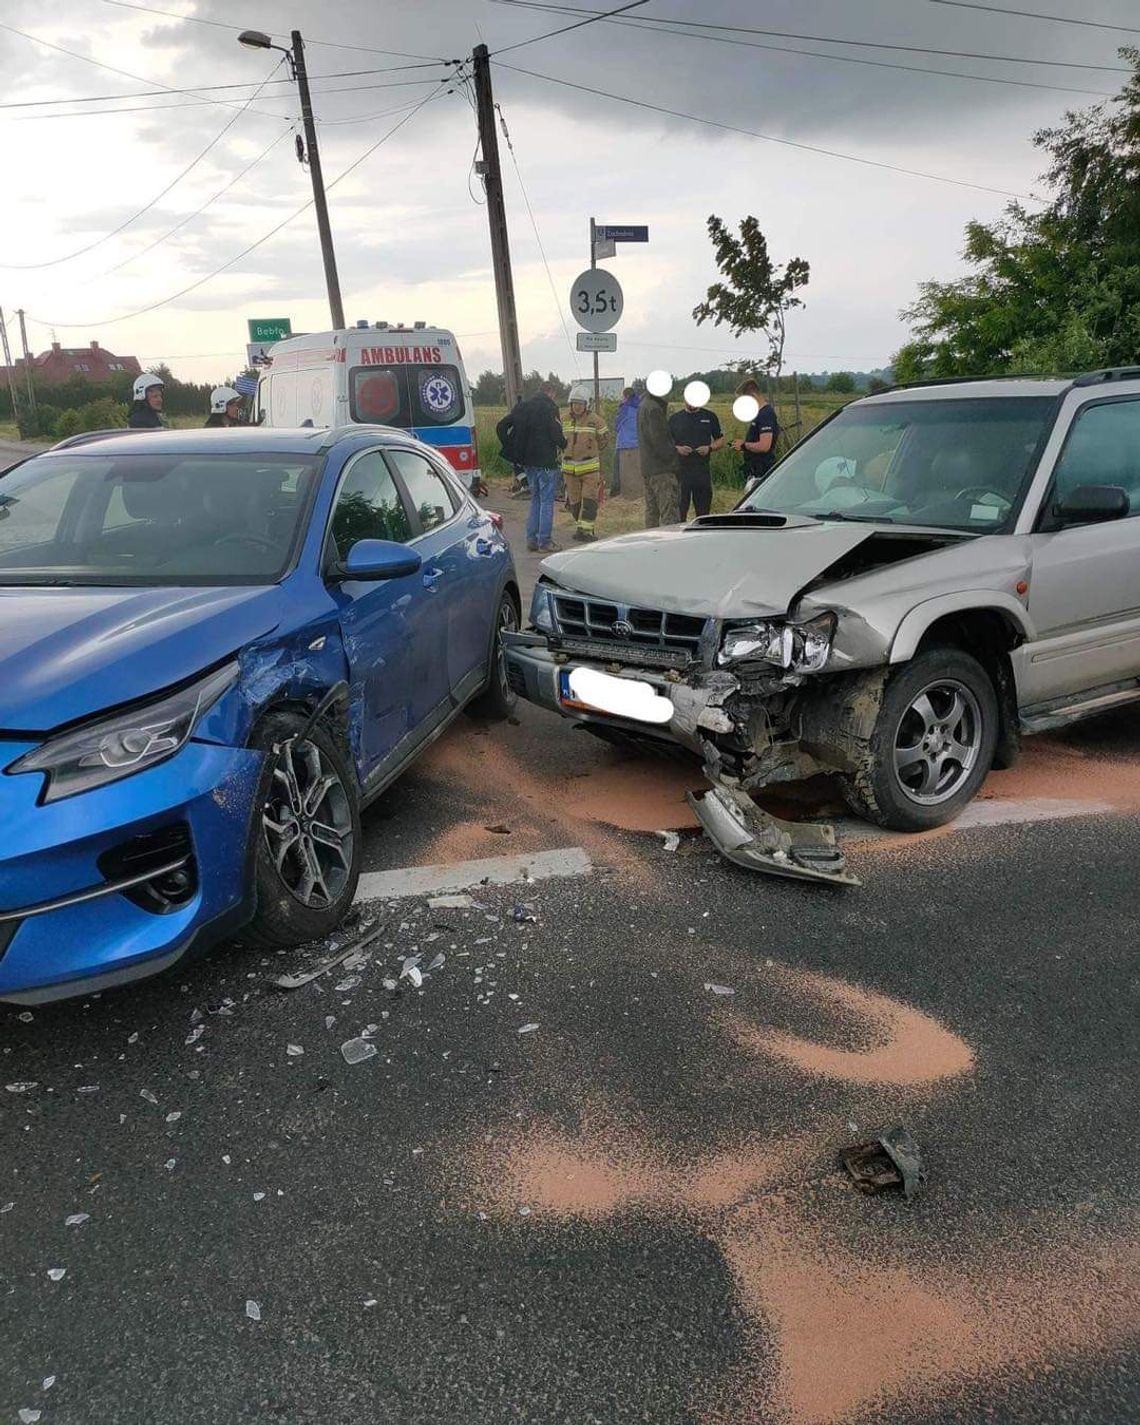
(411, 971)
(22, 1086)
(146, 1093)
(294, 1051)
(306, 977)
(253, 1311)
(528, 1028)
(719, 989)
(77, 1219)
(670, 839)
(28, 1417)
(438, 963)
(355, 1051)
(893, 1160)
(57, 1274)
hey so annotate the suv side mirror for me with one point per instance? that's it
(1092, 504)
(376, 559)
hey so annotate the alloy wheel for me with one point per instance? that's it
(508, 623)
(307, 824)
(937, 742)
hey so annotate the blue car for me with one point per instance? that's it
(216, 648)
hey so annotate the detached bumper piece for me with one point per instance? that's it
(752, 838)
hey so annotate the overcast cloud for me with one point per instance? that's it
(411, 237)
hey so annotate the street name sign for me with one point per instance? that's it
(597, 341)
(269, 328)
(596, 300)
(622, 232)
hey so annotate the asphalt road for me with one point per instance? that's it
(633, 1211)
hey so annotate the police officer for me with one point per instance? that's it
(696, 434)
(146, 407)
(225, 407)
(759, 444)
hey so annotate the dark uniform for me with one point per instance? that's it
(758, 463)
(695, 428)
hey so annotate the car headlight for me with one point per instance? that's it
(801, 647)
(542, 609)
(126, 742)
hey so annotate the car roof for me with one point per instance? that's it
(235, 440)
(1005, 387)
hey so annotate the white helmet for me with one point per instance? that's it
(220, 397)
(145, 383)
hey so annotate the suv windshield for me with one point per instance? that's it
(79, 518)
(954, 464)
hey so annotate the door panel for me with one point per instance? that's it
(1084, 595)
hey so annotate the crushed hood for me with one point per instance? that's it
(67, 654)
(709, 573)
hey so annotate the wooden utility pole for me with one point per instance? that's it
(497, 218)
(11, 370)
(320, 202)
(27, 362)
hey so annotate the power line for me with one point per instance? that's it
(538, 238)
(769, 138)
(55, 261)
(220, 25)
(565, 30)
(1036, 15)
(209, 277)
(265, 152)
(644, 24)
(817, 39)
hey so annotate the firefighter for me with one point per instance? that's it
(146, 408)
(225, 407)
(586, 438)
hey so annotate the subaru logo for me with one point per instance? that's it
(623, 629)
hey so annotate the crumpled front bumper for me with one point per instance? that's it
(64, 930)
(535, 674)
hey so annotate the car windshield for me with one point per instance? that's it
(82, 519)
(952, 464)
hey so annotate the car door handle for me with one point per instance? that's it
(432, 577)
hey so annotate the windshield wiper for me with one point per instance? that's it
(854, 519)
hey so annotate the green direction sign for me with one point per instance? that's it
(269, 328)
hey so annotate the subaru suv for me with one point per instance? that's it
(931, 573)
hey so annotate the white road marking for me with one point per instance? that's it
(466, 875)
(995, 812)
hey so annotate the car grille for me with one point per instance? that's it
(625, 632)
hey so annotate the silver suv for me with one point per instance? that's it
(931, 573)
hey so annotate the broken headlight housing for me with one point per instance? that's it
(797, 647)
(126, 742)
(542, 609)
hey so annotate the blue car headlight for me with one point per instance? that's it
(125, 742)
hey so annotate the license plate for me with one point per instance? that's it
(629, 698)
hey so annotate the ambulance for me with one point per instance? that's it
(411, 378)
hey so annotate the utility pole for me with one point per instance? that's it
(320, 202)
(9, 368)
(27, 362)
(497, 217)
(593, 265)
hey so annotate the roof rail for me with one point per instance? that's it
(973, 380)
(1109, 373)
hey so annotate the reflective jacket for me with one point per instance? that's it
(585, 436)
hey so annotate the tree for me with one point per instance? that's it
(490, 389)
(756, 294)
(1055, 290)
(842, 382)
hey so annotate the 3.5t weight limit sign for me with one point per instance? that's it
(596, 300)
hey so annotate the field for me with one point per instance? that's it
(726, 464)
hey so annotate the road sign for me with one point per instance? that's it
(622, 232)
(597, 341)
(257, 353)
(596, 300)
(269, 328)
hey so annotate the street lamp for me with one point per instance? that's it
(257, 39)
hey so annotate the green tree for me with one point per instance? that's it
(1054, 290)
(842, 382)
(756, 294)
(490, 389)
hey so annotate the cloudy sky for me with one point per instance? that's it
(410, 229)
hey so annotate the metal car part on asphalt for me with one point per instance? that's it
(890, 1161)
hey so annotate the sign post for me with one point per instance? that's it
(593, 267)
(596, 297)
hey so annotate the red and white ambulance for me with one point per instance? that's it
(411, 378)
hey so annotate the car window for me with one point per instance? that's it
(369, 506)
(428, 491)
(437, 395)
(1103, 449)
(378, 395)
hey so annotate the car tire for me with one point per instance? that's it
(498, 699)
(305, 883)
(932, 745)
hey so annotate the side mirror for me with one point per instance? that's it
(1092, 504)
(376, 559)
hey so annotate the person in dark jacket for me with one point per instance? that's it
(146, 408)
(505, 432)
(225, 407)
(660, 463)
(759, 444)
(535, 440)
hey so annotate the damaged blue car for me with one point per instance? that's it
(216, 648)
